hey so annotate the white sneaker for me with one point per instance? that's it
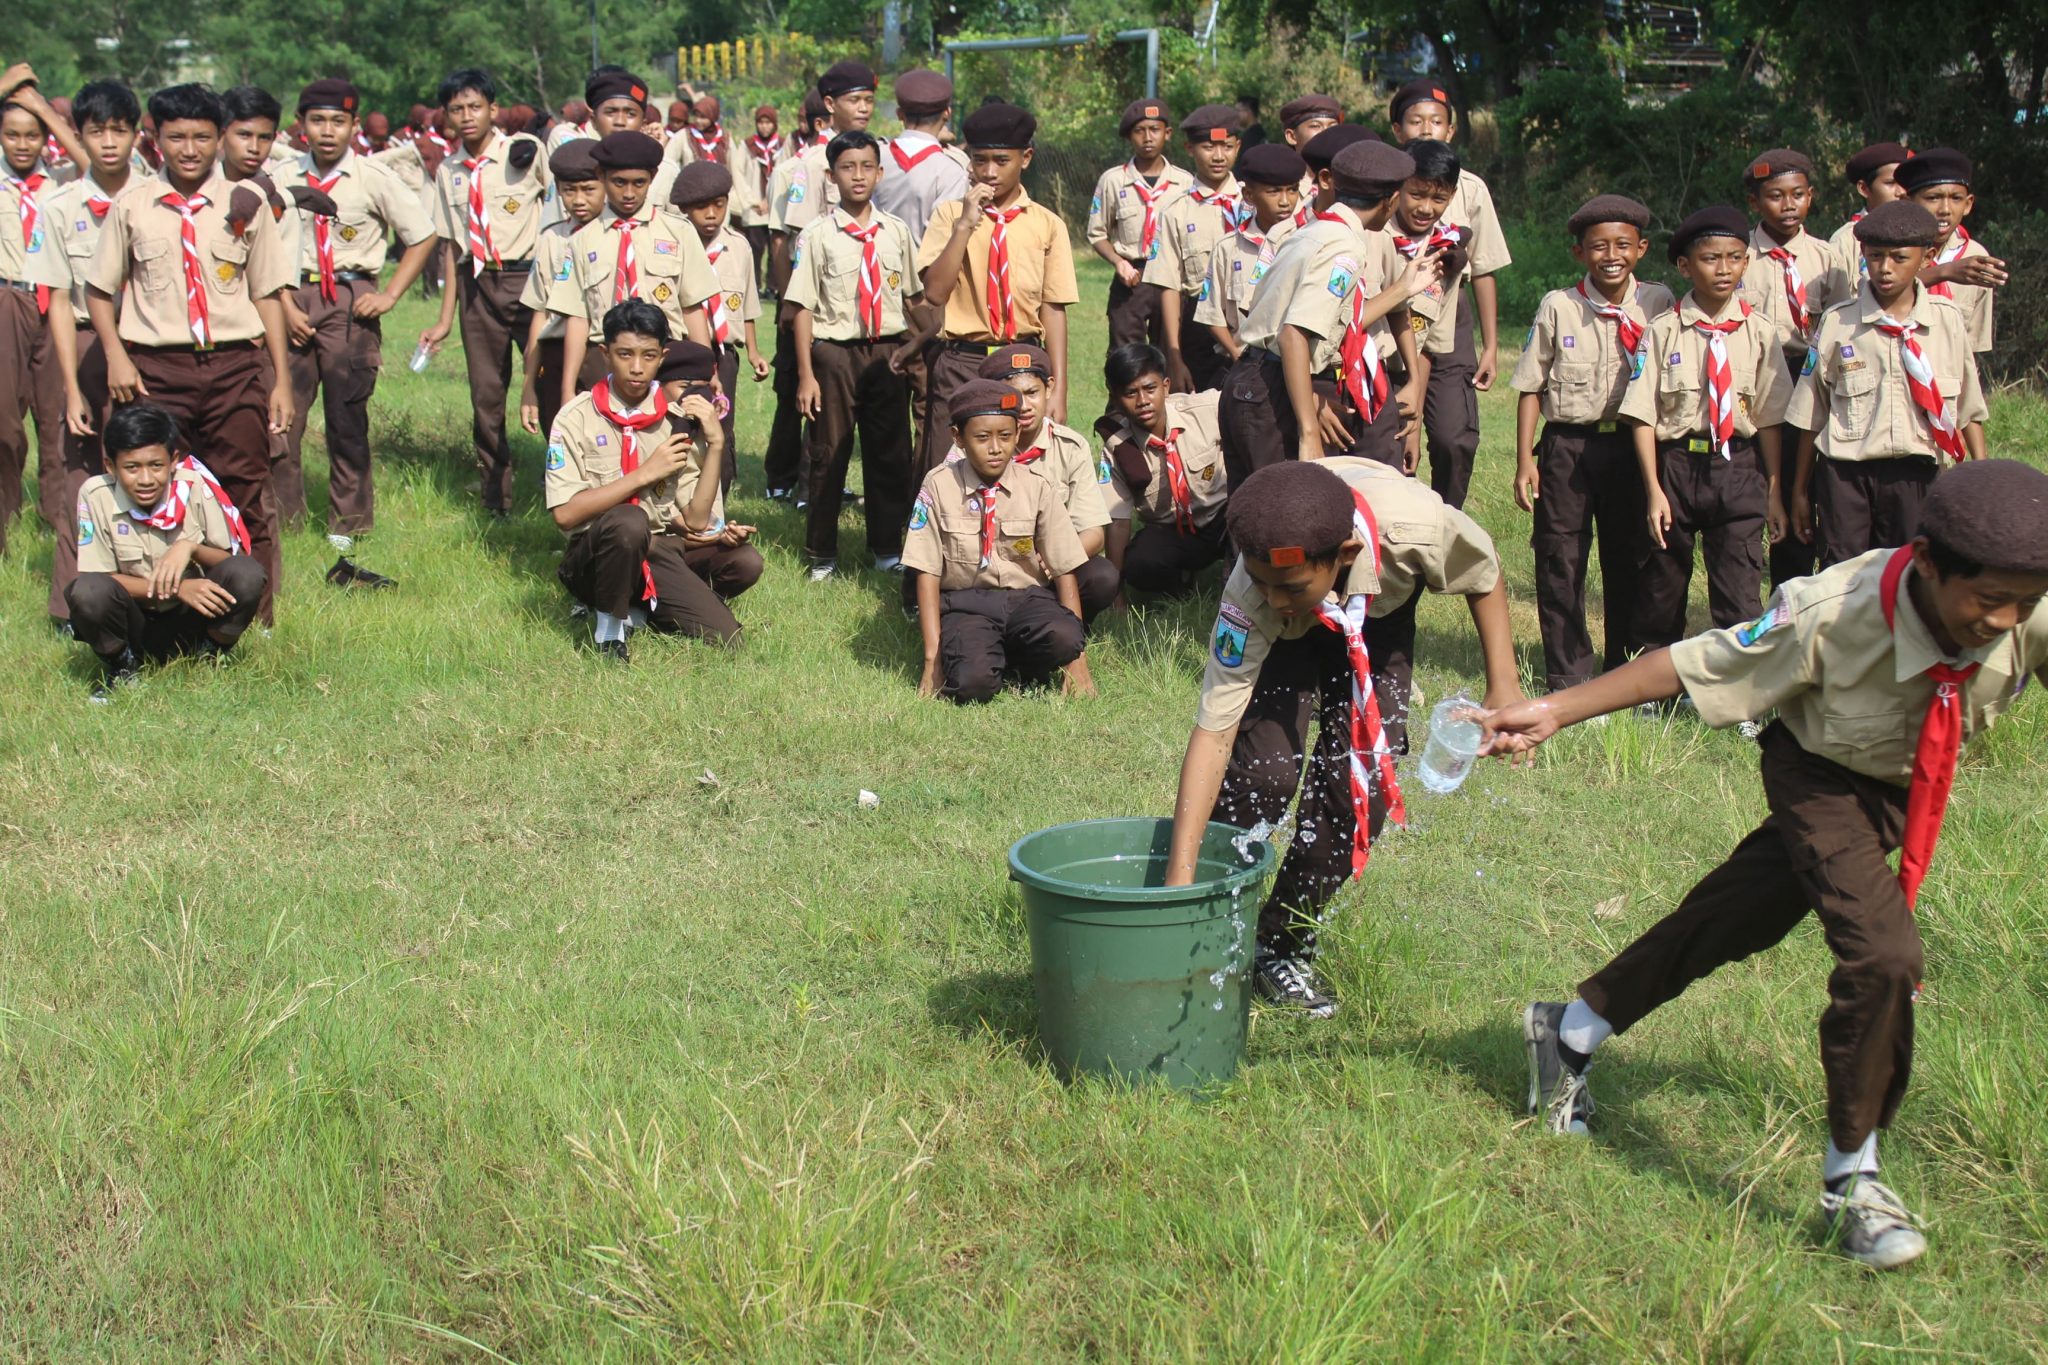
(1872, 1224)
(821, 572)
(342, 544)
(888, 563)
(1750, 730)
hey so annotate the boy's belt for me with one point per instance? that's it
(23, 285)
(1583, 428)
(506, 267)
(340, 276)
(987, 348)
(1704, 445)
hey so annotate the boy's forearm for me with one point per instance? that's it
(1645, 678)
(1295, 368)
(803, 329)
(1486, 295)
(1646, 456)
(1496, 643)
(451, 262)
(1767, 441)
(1171, 301)
(1802, 463)
(928, 615)
(1528, 416)
(1201, 779)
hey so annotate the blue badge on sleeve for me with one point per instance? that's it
(1232, 627)
(1102, 468)
(796, 254)
(1777, 615)
(1340, 282)
(1812, 359)
(796, 193)
(1095, 204)
(557, 457)
(86, 531)
(921, 511)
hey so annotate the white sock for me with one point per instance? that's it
(610, 627)
(636, 618)
(1582, 1030)
(1838, 1163)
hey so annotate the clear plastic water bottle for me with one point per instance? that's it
(1455, 735)
(420, 356)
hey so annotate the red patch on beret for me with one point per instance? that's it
(1009, 399)
(1151, 111)
(1219, 135)
(1440, 96)
(1760, 171)
(1020, 361)
(640, 92)
(1286, 556)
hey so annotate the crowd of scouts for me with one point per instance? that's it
(1294, 328)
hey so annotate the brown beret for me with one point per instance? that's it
(1137, 111)
(1774, 163)
(1296, 112)
(998, 125)
(843, 78)
(691, 362)
(1271, 163)
(1935, 166)
(1022, 358)
(1718, 221)
(982, 398)
(613, 85)
(922, 92)
(627, 152)
(699, 183)
(331, 93)
(1372, 169)
(313, 201)
(575, 159)
(1322, 149)
(1874, 158)
(1899, 223)
(1992, 511)
(1419, 92)
(1211, 123)
(1608, 208)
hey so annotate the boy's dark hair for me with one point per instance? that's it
(1434, 162)
(138, 425)
(246, 102)
(852, 140)
(1127, 364)
(1949, 562)
(192, 102)
(638, 317)
(1362, 203)
(1290, 513)
(105, 102)
(467, 78)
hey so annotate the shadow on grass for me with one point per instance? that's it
(989, 1004)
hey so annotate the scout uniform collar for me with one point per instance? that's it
(1914, 650)
(1341, 213)
(345, 164)
(643, 216)
(842, 219)
(1872, 312)
(1691, 313)
(1762, 243)
(495, 143)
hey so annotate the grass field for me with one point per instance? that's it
(418, 989)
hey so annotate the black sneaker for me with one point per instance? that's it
(212, 651)
(614, 652)
(1291, 983)
(346, 573)
(123, 670)
(1557, 1088)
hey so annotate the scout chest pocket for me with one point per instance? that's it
(1572, 375)
(153, 264)
(657, 262)
(227, 261)
(1855, 399)
(1862, 732)
(1017, 537)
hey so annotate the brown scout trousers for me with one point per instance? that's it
(1300, 678)
(782, 462)
(340, 364)
(601, 569)
(221, 399)
(948, 365)
(1162, 559)
(859, 392)
(1790, 557)
(547, 385)
(989, 634)
(29, 382)
(1721, 503)
(108, 619)
(1207, 361)
(1134, 313)
(494, 324)
(729, 385)
(1450, 413)
(82, 461)
(1822, 848)
(1258, 426)
(1591, 486)
(1869, 504)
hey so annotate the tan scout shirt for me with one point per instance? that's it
(40, 261)
(1041, 268)
(1846, 265)
(550, 267)
(801, 187)
(1031, 523)
(583, 452)
(1670, 393)
(1974, 300)
(1192, 422)
(1763, 284)
(1236, 265)
(1471, 207)
(371, 203)
(141, 248)
(1573, 357)
(914, 195)
(1189, 229)
(824, 275)
(749, 186)
(667, 256)
(1433, 312)
(1117, 214)
(512, 199)
(1424, 543)
(1313, 276)
(110, 540)
(1848, 687)
(70, 221)
(1061, 455)
(734, 271)
(1854, 395)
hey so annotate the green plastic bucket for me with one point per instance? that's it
(1136, 979)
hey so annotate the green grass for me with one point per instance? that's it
(419, 990)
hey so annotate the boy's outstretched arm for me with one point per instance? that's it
(1519, 728)
(1496, 646)
(1201, 778)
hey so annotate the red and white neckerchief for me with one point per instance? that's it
(170, 513)
(823, 136)
(198, 315)
(1627, 330)
(25, 188)
(1941, 741)
(1149, 196)
(1223, 199)
(766, 152)
(1371, 759)
(627, 423)
(868, 305)
(1795, 288)
(910, 162)
(433, 135)
(1306, 214)
(1440, 236)
(323, 233)
(626, 270)
(1363, 376)
(714, 307)
(708, 148)
(482, 250)
(1920, 382)
(1002, 304)
(984, 500)
(1035, 453)
(97, 203)
(1168, 451)
(1957, 241)
(1720, 413)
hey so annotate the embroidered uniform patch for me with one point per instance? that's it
(1812, 359)
(86, 531)
(1232, 628)
(664, 248)
(1102, 469)
(1023, 545)
(796, 193)
(562, 270)
(921, 512)
(1778, 615)
(557, 457)
(1340, 282)
(1569, 343)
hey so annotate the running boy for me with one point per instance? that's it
(1269, 176)
(1165, 459)
(1890, 396)
(1190, 228)
(1581, 478)
(1878, 669)
(1326, 550)
(993, 554)
(1123, 219)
